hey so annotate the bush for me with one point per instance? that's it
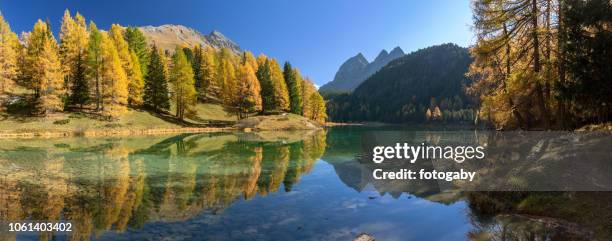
(113, 125)
(62, 122)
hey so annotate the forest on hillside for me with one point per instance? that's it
(423, 86)
(536, 64)
(105, 73)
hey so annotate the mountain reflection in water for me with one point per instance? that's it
(249, 186)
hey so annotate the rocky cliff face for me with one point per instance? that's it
(357, 69)
(168, 36)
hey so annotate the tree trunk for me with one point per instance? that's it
(547, 54)
(515, 112)
(537, 65)
(561, 107)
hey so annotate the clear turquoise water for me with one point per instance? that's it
(278, 186)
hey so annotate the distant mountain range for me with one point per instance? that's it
(403, 89)
(168, 36)
(357, 69)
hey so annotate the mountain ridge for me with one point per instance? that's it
(404, 89)
(168, 36)
(357, 69)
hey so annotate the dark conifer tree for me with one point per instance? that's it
(267, 89)
(79, 89)
(137, 42)
(293, 86)
(156, 83)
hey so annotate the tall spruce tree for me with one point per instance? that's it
(196, 65)
(156, 84)
(138, 43)
(267, 89)
(79, 90)
(293, 81)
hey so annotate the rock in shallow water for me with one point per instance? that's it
(364, 237)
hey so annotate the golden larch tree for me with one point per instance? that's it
(9, 45)
(183, 85)
(280, 94)
(73, 43)
(51, 79)
(210, 86)
(134, 81)
(43, 69)
(136, 86)
(114, 82)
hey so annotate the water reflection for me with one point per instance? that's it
(124, 185)
(539, 166)
(104, 184)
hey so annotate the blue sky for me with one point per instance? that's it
(314, 35)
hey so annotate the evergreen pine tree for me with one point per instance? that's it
(293, 81)
(196, 65)
(79, 94)
(267, 89)
(156, 84)
(137, 43)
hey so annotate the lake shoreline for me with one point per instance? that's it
(48, 128)
(112, 132)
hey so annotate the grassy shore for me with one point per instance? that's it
(210, 118)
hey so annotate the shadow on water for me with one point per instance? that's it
(116, 186)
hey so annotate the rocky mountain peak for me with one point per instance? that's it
(357, 69)
(359, 58)
(382, 55)
(168, 36)
(397, 51)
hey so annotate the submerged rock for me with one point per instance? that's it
(364, 237)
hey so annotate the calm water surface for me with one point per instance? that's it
(270, 186)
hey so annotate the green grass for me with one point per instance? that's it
(81, 122)
(213, 112)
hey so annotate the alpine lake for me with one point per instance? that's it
(308, 185)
